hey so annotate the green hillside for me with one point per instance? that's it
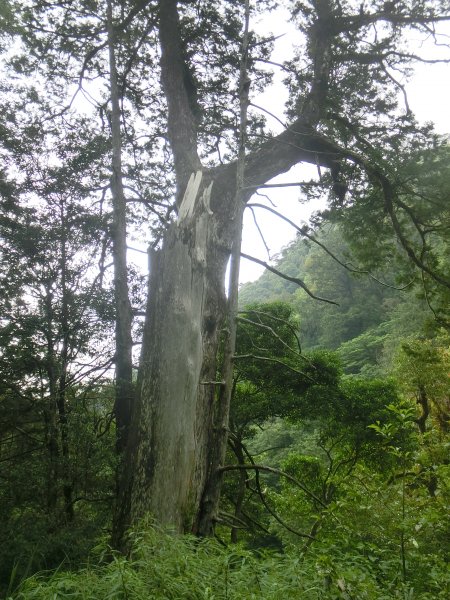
(372, 311)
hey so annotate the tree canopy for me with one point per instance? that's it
(134, 126)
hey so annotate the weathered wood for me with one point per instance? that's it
(168, 456)
(178, 434)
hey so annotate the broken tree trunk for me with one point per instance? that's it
(179, 427)
(168, 459)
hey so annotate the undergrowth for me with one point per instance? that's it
(168, 567)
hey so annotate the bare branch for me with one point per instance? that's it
(281, 185)
(274, 318)
(273, 360)
(276, 64)
(400, 87)
(260, 232)
(269, 113)
(274, 333)
(303, 232)
(296, 280)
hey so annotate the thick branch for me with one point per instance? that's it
(182, 128)
(332, 153)
(300, 142)
(356, 22)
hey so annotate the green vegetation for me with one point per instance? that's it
(337, 487)
(169, 567)
(337, 479)
(304, 438)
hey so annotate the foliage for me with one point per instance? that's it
(164, 566)
(170, 567)
(34, 535)
(56, 462)
(271, 372)
(348, 468)
(362, 458)
(386, 520)
(361, 300)
(367, 326)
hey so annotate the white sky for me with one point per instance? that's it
(429, 99)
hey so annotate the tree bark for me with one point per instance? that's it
(172, 468)
(124, 342)
(178, 393)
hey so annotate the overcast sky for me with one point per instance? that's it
(429, 99)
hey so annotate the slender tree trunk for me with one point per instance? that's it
(211, 495)
(51, 414)
(53, 455)
(66, 475)
(124, 344)
(65, 466)
(240, 496)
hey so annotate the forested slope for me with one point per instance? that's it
(372, 313)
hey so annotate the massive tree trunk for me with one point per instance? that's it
(179, 427)
(175, 424)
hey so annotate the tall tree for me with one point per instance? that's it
(81, 42)
(48, 326)
(124, 342)
(343, 118)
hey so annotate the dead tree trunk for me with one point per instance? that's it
(174, 423)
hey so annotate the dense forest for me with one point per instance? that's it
(165, 432)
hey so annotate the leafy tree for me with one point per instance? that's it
(306, 389)
(422, 212)
(54, 345)
(360, 299)
(272, 379)
(342, 116)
